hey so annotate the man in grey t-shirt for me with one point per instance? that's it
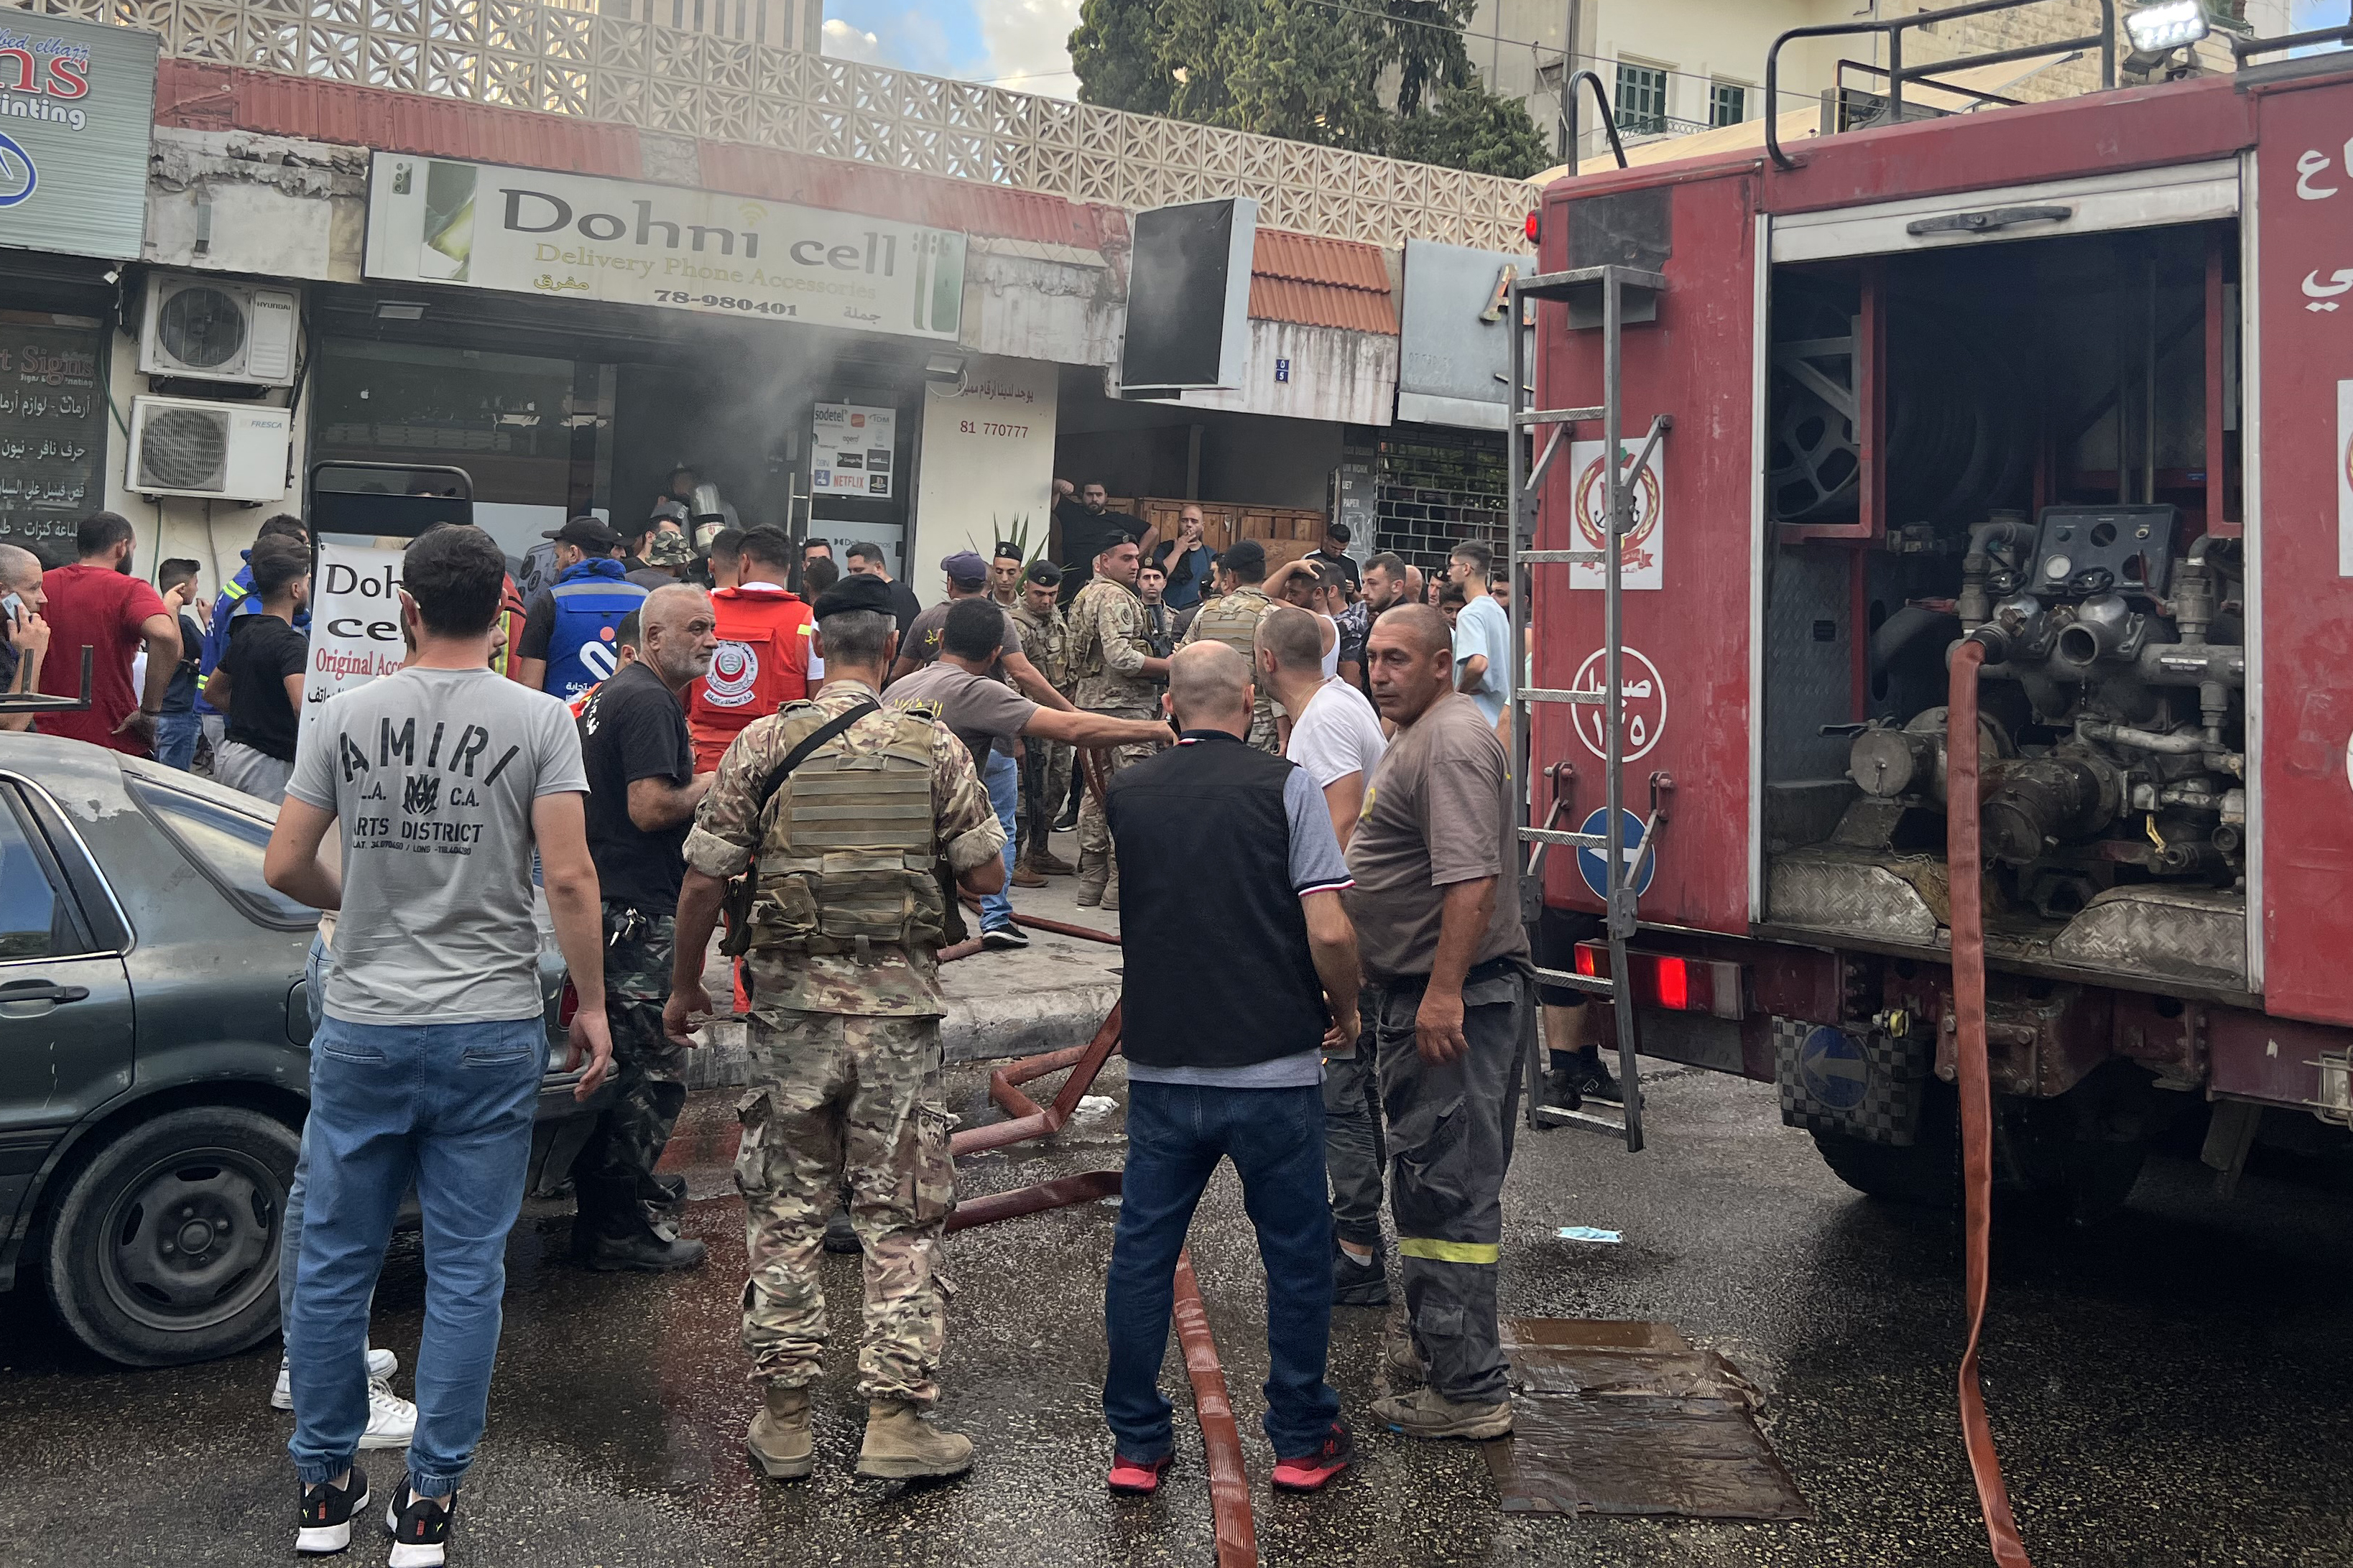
(440, 781)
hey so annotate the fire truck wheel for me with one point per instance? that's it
(1926, 1173)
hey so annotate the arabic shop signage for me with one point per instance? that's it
(52, 426)
(479, 225)
(77, 100)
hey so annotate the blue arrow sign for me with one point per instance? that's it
(1593, 864)
(1833, 1066)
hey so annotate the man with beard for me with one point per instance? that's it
(642, 792)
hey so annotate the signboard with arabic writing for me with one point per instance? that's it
(434, 220)
(77, 104)
(52, 426)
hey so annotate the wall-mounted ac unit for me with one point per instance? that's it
(222, 451)
(218, 330)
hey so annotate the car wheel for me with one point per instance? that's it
(165, 1249)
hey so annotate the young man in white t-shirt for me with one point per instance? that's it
(1336, 739)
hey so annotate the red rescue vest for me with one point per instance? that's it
(761, 664)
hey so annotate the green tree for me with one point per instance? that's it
(1307, 70)
(1473, 128)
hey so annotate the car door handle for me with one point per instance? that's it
(40, 991)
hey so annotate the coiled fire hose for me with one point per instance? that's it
(1964, 868)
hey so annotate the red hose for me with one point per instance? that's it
(1221, 1441)
(1964, 870)
(1059, 927)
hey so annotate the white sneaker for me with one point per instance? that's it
(392, 1420)
(380, 1364)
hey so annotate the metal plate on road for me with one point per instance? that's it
(1593, 864)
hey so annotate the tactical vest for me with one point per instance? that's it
(589, 609)
(849, 846)
(1233, 620)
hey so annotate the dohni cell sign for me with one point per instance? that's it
(526, 231)
(354, 622)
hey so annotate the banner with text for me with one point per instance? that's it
(354, 622)
(433, 220)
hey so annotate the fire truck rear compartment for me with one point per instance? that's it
(2034, 442)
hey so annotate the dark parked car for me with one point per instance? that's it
(154, 1064)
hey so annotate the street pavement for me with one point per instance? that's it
(2170, 1389)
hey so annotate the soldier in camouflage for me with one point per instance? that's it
(842, 812)
(1232, 618)
(1046, 764)
(1111, 659)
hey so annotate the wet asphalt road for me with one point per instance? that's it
(2172, 1389)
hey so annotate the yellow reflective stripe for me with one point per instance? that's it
(1449, 1251)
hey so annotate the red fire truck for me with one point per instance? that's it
(2068, 385)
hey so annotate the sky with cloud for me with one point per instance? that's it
(1020, 44)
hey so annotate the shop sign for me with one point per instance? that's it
(854, 449)
(354, 622)
(527, 231)
(1455, 348)
(52, 425)
(77, 101)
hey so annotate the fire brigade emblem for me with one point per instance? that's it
(735, 672)
(1637, 552)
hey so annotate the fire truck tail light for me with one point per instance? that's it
(1535, 227)
(1671, 982)
(1675, 985)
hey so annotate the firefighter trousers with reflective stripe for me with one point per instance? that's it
(1449, 1144)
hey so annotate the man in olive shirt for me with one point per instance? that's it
(1436, 904)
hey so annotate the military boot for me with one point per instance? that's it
(778, 1440)
(901, 1445)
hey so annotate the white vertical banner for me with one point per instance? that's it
(354, 622)
(2345, 478)
(1642, 551)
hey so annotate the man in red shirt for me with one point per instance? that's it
(95, 603)
(764, 650)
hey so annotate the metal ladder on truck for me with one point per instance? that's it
(1606, 298)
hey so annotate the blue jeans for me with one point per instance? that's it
(289, 1247)
(1003, 777)
(175, 739)
(1176, 1135)
(448, 1106)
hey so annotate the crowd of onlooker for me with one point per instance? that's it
(1337, 805)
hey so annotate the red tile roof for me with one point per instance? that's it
(1320, 282)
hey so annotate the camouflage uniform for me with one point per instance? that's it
(1233, 621)
(845, 1033)
(614, 1169)
(1107, 649)
(1046, 764)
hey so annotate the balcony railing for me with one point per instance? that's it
(620, 65)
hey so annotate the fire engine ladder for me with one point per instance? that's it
(1606, 298)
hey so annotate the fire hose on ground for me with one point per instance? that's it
(1965, 873)
(1237, 1536)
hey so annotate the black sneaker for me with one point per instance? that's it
(1355, 1284)
(326, 1512)
(1004, 939)
(1582, 1080)
(419, 1528)
(662, 1191)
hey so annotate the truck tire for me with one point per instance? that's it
(1923, 1174)
(1926, 1173)
(164, 1249)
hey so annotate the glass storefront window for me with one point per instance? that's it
(502, 418)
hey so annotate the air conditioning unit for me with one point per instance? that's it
(218, 330)
(222, 451)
